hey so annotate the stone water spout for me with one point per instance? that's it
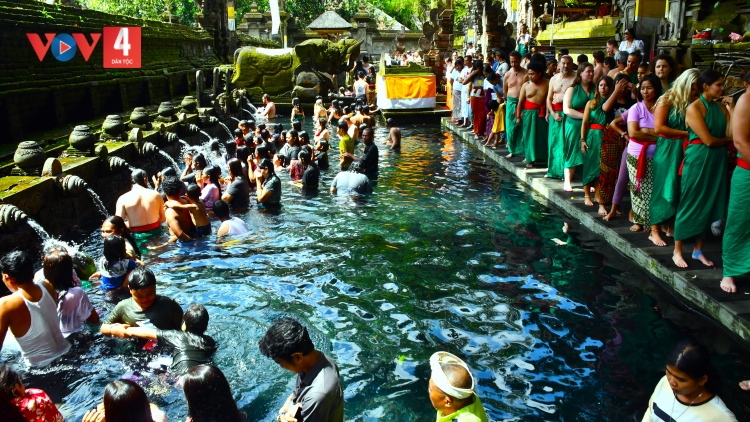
(72, 185)
(11, 218)
(185, 127)
(145, 149)
(167, 113)
(139, 119)
(81, 142)
(29, 159)
(113, 129)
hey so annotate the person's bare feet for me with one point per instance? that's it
(656, 238)
(745, 385)
(523, 161)
(602, 210)
(679, 260)
(619, 212)
(567, 187)
(530, 166)
(636, 227)
(509, 156)
(699, 256)
(727, 284)
(611, 215)
(587, 201)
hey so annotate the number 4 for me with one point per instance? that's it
(121, 43)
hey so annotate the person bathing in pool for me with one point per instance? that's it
(196, 208)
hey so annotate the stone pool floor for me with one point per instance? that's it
(697, 285)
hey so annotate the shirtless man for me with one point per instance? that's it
(558, 85)
(599, 69)
(622, 62)
(531, 114)
(141, 208)
(394, 135)
(269, 108)
(358, 119)
(179, 221)
(512, 89)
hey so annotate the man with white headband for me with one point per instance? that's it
(452, 390)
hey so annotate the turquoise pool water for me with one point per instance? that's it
(450, 253)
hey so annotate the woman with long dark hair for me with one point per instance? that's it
(703, 188)
(669, 122)
(640, 155)
(211, 191)
(237, 194)
(209, 396)
(21, 404)
(592, 130)
(116, 225)
(125, 401)
(689, 389)
(574, 103)
(73, 305)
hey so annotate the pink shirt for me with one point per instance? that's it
(642, 115)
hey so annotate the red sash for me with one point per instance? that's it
(742, 163)
(528, 105)
(557, 106)
(596, 126)
(641, 169)
(146, 228)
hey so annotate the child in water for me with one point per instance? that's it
(113, 267)
(191, 345)
(197, 210)
(30, 403)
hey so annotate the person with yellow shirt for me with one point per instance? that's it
(346, 146)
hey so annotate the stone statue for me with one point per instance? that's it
(305, 71)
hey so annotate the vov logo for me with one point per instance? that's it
(63, 46)
(122, 46)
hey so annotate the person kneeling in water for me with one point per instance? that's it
(197, 210)
(451, 390)
(229, 225)
(191, 345)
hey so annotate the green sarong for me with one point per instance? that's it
(572, 137)
(535, 135)
(512, 130)
(703, 189)
(555, 148)
(592, 164)
(736, 247)
(141, 238)
(667, 160)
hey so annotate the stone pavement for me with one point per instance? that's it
(698, 285)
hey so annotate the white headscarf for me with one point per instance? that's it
(441, 381)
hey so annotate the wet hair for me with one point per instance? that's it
(172, 186)
(200, 161)
(8, 380)
(194, 191)
(57, 266)
(304, 136)
(297, 126)
(238, 133)
(266, 97)
(708, 77)
(214, 146)
(221, 209)
(655, 82)
(261, 151)
(119, 224)
(693, 358)
(141, 278)
(610, 62)
(235, 167)
(243, 153)
(622, 57)
(231, 148)
(278, 128)
(208, 395)
(295, 102)
(582, 58)
(598, 56)
(138, 177)
(265, 134)
(243, 123)
(493, 105)
(125, 401)
(266, 163)
(251, 125)
(389, 122)
(195, 319)
(169, 171)
(356, 167)
(114, 248)
(295, 137)
(284, 338)
(342, 125)
(305, 157)
(537, 67)
(213, 174)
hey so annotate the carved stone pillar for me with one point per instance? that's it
(360, 22)
(252, 22)
(284, 17)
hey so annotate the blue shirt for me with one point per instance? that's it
(110, 281)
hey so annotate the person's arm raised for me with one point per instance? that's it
(612, 100)
(741, 126)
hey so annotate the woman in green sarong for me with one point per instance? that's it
(592, 132)
(669, 122)
(736, 247)
(703, 189)
(574, 103)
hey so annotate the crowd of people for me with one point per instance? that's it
(676, 127)
(667, 137)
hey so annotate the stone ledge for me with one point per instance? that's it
(699, 287)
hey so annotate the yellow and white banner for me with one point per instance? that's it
(403, 92)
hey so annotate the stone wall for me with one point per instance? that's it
(37, 96)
